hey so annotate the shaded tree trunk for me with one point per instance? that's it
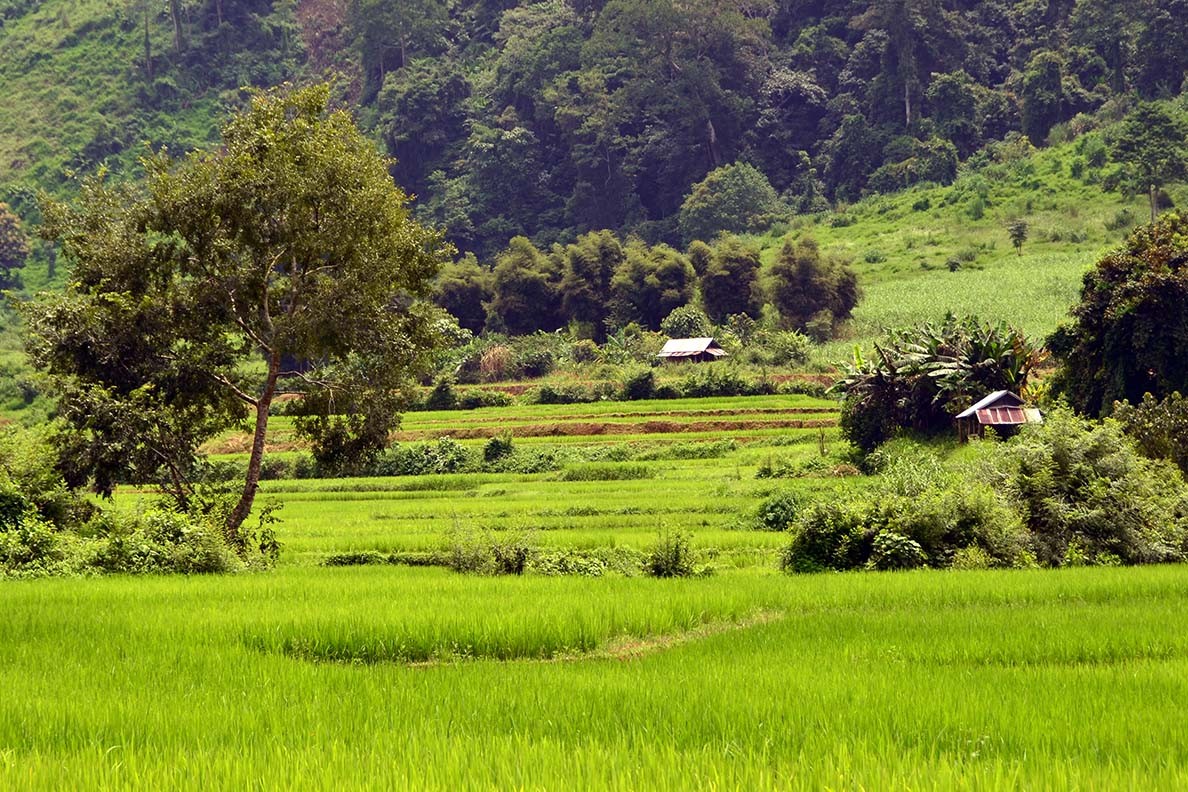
(1154, 203)
(242, 509)
(175, 16)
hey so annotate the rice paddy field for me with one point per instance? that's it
(397, 677)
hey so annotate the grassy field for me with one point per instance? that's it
(408, 678)
(400, 677)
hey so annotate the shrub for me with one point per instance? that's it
(890, 550)
(475, 398)
(442, 396)
(671, 556)
(510, 554)
(1084, 485)
(162, 541)
(1159, 427)
(497, 448)
(714, 379)
(584, 351)
(784, 348)
(828, 536)
(777, 512)
(639, 384)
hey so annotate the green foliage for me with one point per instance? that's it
(729, 278)
(1129, 334)
(733, 198)
(889, 551)
(921, 377)
(1079, 482)
(525, 296)
(463, 288)
(1158, 426)
(811, 291)
(688, 321)
(1017, 231)
(169, 299)
(14, 246)
(1152, 148)
(650, 284)
(776, 512)
(671, 557)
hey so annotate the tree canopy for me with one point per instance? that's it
(1129, 333)
(284, 261)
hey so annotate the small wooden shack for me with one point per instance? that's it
(1002, 410)
(698, 350)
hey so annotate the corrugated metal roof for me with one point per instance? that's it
(1000, 398)
(687, 347)
(1002, 416)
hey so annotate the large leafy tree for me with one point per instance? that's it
(1129, 333)
(729, 281)
(811, 291)
(1152, 149)
(283, 261)
(650, 284)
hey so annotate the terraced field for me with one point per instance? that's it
(389, 676)
(687, 465)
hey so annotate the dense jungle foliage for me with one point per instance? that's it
(555, 118)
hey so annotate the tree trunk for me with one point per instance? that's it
(219, 12)
(907, 102)
(148, 46)
(1154, 203)
(175, 15)
(711, 135)
(244, 507)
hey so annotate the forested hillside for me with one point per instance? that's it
(554, 118)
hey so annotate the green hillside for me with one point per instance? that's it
(905, 247)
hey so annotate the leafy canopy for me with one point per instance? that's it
(1129, 333)
(283, 262)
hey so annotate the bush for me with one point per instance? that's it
(474, 398)
(782, 348)
(497, 448)
(1159, 427)
(444, 456)
(162, 541)
(890, 550)
(828, 536)
(584, 351)
(480, 552)
(442, 396)
(777, 512)
(672, 556)
(1084, 485)
(639, 384)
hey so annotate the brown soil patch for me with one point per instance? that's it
(660, 413)
(585, 429)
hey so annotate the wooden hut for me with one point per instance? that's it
(698, 350)
(1002, 410)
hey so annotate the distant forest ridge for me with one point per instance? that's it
(555, 118)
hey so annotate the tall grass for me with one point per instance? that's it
(1070, 679)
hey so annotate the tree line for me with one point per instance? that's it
(556, 118)
(598, 283)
